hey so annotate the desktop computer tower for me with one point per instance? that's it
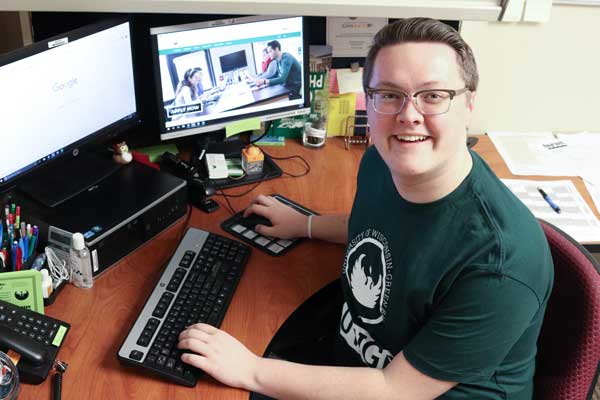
(116, 215)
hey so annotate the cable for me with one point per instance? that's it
(229, 206)
(268, 126)
(289, 158)
(57, 267)
(226, 195)
(60, 367)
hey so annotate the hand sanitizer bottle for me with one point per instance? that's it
(81, 263)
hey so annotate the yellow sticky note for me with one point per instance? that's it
(249, 124)
(339, 110)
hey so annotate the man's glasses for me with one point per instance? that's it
(427, 102)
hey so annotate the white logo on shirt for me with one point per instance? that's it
(366, 268)
(361, 341)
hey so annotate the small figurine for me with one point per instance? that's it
(122, 155)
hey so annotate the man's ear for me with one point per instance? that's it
(470, 108)
(471, 100)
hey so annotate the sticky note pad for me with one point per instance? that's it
(23, 289)
(249, 124)
(60, 334)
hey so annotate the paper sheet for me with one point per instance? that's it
(547, 153)
(576, 218)
(594, 191)
(348, 81)
(340, 108)
(249, 124)
(352, 36)
(334, 89)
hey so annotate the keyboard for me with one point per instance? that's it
(36, 337)
(243, 229)
(196, 286)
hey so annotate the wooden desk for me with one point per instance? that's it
(270, 289)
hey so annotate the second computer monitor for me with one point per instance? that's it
(213, 73)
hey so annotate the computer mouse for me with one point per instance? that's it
(254, 219)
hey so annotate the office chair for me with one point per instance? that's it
(567, 363)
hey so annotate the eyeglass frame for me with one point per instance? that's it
(451, 92)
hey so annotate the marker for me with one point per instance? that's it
(549, 200)
(25, 249)
(34, 240)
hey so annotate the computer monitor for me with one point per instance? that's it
(232, 61)
(206, 73)
(59, 95)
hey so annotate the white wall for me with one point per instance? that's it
(542, 76)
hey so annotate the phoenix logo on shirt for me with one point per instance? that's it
(366, 270)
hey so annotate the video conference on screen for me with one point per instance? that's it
(226, 76)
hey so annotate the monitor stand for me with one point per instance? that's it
(58, 183)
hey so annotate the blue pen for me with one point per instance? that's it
(13, 255)
(25, 249)
(549, 200)
(1, 232)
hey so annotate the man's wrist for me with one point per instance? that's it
(253, 385)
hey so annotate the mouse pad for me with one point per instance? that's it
(243, 229)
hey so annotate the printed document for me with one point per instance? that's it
(576, 218)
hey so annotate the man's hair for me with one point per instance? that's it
(423, 30)
(274, 44)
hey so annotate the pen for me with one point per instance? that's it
(550, 202)
(13, 256)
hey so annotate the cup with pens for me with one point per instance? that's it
(18, 240)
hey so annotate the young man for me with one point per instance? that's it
(289, 71)
(446, 275)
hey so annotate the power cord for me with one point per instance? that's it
(268, 126)
(226, 196)
(306, 164)
(60, 367)
(57, 267)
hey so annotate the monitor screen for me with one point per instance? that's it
(209, 74)
(61, 93)
(232, 61)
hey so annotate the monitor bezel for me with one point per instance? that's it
(214, 125)
(106, 133)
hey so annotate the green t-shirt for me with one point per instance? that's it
(459, 285)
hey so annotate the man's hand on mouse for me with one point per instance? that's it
(287, 222)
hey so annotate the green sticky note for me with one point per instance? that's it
(155, 152)
(23, 289)
(249, 124)
(60, 335)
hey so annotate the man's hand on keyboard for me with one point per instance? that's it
(219, 354)
(287, 222)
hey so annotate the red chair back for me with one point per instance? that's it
(568, 363)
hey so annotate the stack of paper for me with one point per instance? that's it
(575, 217)
(551, 154)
